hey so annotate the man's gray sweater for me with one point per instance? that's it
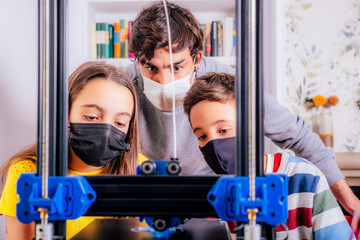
(282, 127)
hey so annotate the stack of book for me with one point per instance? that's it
(219, 38)
(111, 40)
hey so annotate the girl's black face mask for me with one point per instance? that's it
(96, 144)
(220, 155)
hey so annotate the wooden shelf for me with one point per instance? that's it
(123, 62)
(349, 165)
(126, 6)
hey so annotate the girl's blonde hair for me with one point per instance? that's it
(126, 162)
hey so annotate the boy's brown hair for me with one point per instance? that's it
(215, 87)
(149, 31)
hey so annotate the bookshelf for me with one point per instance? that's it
(82, 13)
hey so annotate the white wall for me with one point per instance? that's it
(18, 78)
(273, 35)
(325, 60)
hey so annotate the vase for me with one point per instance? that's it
(326, 127)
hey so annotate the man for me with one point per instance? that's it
(152, 78)
(313, 210)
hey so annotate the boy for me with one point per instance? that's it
(313, 210)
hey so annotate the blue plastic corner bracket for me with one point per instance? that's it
(230, 198)
(69, 197)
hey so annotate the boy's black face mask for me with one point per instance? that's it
(96, 144)
(220, 155)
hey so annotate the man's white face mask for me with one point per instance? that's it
(161, 95)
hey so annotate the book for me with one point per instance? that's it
(208, 39)
(93, 41)
(123, 37)
(233, 50)
(214, 36)
(117, 40)
(100, 40)
(126, 49)
(228, 28)
(219, 39)
(98, 46)
(111, 41)
(130, 24)
(107, 44)
(204, 39)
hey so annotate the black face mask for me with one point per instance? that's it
(220, 155)
(96, 144)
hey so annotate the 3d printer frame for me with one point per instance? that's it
(171, 204)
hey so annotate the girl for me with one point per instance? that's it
(102, 139)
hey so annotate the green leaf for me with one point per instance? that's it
(350, 148)
(311, 74)
(310, 92)
(290, 71)
(288, 62)
(304, 62)
(348, 47)
(312, 85)
(317, 66)
(306, 6)
(298, 93)
(313, 48)
(295, 110)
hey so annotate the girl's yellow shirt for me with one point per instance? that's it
(9, 198)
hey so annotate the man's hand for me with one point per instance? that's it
(345, 196)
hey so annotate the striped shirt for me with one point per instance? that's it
(313, 210)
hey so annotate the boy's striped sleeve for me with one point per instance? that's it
(328, 220)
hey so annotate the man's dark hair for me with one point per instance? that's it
(149, 31)
(215, 87)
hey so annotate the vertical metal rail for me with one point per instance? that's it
(43, 101)
(40, 90)
(52, 147)
(61, 102)
(245, 84)
(60, 99)
(259, 125)
(252, 35)
(249, 95)
(242, 150)
(241, 93)
(254, 234)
